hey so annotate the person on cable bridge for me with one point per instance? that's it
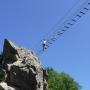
(44, 44)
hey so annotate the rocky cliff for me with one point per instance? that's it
(21, 69)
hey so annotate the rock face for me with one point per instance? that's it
(4, 86)
(23, 69)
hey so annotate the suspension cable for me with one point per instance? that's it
(58, 30)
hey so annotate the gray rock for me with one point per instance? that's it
(4, 86)
(23, 68)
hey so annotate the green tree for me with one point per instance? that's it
(60, 81)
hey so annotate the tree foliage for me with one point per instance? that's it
(60, 81)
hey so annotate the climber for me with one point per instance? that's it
(44, 44)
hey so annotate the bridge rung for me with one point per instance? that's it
(59, 33)
(78, 15)
(63, 30)
(82, 12)
(74, 20)
(70, 23)
(66, 26)
(86, 8)
(50, 42)
(53, 39)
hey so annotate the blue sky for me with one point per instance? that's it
(25, 22)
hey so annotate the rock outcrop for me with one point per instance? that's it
(23, 69)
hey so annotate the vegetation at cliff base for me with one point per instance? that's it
(61, 81)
